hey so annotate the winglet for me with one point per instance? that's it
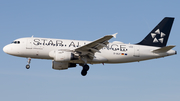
(114, 35)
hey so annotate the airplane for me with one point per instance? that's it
(68, 53)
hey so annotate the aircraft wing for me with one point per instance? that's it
(93, 47)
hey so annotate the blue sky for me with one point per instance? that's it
(152, 80)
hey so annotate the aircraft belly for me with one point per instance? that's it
(35, 53)
(99, 58)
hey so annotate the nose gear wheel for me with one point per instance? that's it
(29, 61)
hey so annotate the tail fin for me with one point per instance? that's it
(160, 34)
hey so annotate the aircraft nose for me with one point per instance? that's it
(6, 49)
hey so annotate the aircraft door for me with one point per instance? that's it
(136, 51)
(29, 43)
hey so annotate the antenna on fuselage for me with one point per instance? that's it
(32, 36)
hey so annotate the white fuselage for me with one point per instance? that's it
(116, 52)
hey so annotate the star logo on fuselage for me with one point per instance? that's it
(158, 36)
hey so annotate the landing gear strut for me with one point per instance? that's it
(84, 70)
(29, 61)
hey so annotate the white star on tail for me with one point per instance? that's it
(161, 39)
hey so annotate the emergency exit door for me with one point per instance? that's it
(29, 43)
(136, 51)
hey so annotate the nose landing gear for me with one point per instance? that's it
(29, 61)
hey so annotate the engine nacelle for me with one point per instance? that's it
(61, 56)
(62, 65)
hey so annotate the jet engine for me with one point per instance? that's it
(62, 56)
(62, 65)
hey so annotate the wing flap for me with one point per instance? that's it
(163, 49)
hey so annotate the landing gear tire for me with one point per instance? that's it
(83, 73)
(27, 66)
(86, 67)
(84, 70)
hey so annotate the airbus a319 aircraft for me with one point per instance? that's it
(68, 53)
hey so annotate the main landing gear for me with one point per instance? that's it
(84, 65)
(84, 70)
(29, 61)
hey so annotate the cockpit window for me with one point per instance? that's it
(16, 42)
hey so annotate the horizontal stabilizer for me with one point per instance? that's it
(163, 49)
